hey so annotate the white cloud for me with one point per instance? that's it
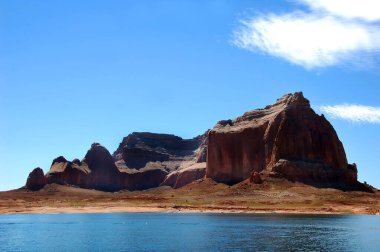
(363, 9)
(354, 113)
(313, 40)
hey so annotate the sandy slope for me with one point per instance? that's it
(274, 195)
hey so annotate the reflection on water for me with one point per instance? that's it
(179, 231)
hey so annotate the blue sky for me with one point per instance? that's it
(77, 72)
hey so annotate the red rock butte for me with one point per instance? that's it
(285, 140)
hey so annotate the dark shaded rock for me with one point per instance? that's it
(59, 159)
(255, 178)
(36, 180)
(319, 174)
(104, 174)
(315, 172)
(77, 162)
(138, 158)
(288, 129)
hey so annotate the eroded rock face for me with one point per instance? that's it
(143, 179)
(315, 172)
(288, 130)
(140, 148)
(104, 174)
(99, 171)
(66, 172)
(185, 176)
(36, 180)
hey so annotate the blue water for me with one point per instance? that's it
(188, 232)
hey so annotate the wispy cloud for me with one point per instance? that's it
(363, 9)
(353, 112)
(327, 35)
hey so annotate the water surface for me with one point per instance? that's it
(188, 232)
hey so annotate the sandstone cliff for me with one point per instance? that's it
(286, 139)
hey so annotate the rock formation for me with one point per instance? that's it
(36, 180)
(185, 176)
(142, 161)
(287, 139)
(98, 170)
(140, 148)
(66, 172)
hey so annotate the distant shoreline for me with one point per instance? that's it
(271, 197)
(184, 209)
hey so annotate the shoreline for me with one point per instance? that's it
(277, 197)
(178, 209)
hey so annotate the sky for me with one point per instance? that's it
(77, 72)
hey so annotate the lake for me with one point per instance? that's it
(188, 232)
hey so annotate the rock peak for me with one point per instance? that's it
(59, 159)
(296, 98)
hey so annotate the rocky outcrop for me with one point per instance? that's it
(66, 172)
(96, 171)
(36, 180)
(316, 172)
(185, 176)
(288, 130)
(104, 174)
(99, 171)
(286, 139)
(139, 149)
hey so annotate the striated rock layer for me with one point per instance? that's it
(138, 149)
(286, 139)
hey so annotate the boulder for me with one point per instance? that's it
(289, 130)
(36, 180)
